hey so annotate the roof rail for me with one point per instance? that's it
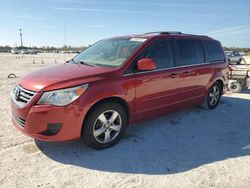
(164, 32)
(175, 33)
(196, 35)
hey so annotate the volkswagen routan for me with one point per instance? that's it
(118, 82)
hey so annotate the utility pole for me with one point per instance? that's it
(64, 33)
(21, 37)
(65, 44)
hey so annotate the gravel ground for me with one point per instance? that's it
(190, 148)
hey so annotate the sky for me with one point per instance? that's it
(83, 22)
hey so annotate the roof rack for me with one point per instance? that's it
(164, 32)
(175, 33)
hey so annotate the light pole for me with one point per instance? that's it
(21, 37)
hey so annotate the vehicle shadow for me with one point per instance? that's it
(171, 144)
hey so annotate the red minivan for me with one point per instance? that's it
(116, 82)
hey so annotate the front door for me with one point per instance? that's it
(157, 91)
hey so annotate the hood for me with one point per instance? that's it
(63, 76)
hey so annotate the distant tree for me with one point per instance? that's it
(5, 48)
(246, 50)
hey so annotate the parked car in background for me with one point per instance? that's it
(15, 51)
(119, 81)
(23, 51)
(32, 51)
(233, 57)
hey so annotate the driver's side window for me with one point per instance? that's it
(161, 52)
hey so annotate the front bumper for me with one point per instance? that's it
(37, 120)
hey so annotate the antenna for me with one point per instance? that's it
(21, 37)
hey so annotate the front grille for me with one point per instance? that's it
(21, 96)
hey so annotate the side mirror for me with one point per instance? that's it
(146, 64)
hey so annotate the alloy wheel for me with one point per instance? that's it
(107, 126)
(214, 95)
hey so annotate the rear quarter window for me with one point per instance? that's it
(214, 51)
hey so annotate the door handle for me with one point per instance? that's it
(187, 73)
(174, 75)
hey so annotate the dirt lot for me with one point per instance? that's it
(191, 148)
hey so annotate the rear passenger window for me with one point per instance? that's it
(160, 51)
(214, 51)
(189, 52)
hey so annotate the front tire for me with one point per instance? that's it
(105, 125)
(213, 98)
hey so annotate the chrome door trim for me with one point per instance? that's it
(157, 70)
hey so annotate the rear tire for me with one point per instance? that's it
(105, 125)
(213, 97)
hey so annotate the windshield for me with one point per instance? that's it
(110, 52)
(228, 53)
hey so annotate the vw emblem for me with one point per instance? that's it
(17, 93)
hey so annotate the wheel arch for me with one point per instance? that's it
(218, 77)
(220, 83)
(115, 99)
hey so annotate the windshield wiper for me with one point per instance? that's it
(80, 62)
(85, 63)
(71, 60)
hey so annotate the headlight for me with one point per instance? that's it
(62, 97)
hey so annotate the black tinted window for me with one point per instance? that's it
(160, 51)
(214, 51)
(189, 52)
